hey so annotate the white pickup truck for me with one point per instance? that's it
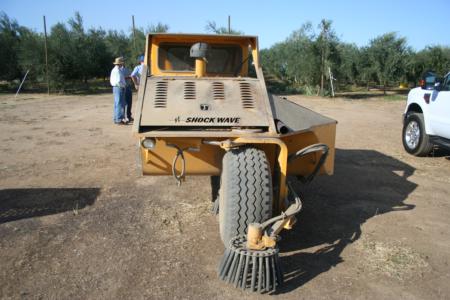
(426, 121)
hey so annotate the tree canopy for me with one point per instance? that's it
(74, 52)
(300, 63)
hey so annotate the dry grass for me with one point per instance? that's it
(392, 259)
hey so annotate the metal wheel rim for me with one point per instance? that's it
(412, 135)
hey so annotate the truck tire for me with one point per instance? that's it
(245, 191)
(415, 140)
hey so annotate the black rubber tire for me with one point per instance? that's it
(424, 145)
(245, 191)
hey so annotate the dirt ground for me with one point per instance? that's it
(78, 222)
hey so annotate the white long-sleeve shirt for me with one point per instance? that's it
(117, 78)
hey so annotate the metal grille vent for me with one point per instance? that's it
(189, 90)
(161, 94)
(218, 90)
(246, 95)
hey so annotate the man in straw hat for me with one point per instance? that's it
(117, 80)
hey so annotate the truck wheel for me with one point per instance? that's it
(245, 192)
(415, 139)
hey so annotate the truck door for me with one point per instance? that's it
(440, 109)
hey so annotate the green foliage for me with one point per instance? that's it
(303, 58)
(118, 43)
(61, 59)
(29, 58)
(98, 57)
(349, 68)
(326, 47)
(9, 46)
(211, 26)
(159, 27)
(387, 56)
(140, 36)
(75, 54)
(301, 62)
(298, 64)
(436, 58)
(395, 97)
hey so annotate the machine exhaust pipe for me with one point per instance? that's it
(281, 127)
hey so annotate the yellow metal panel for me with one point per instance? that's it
(255, 52)
(321, 134)
(147, 55)
(154, 58)
(200, 67)
(243, 42)
(282, 163)
(206, 160)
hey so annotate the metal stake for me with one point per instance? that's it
(46, 56)
(134, 34)
(331, 81)
(20, 86)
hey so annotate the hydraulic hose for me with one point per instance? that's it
(279, 221)
(178, 177)
(310, 149)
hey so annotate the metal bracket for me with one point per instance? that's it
(282, 159)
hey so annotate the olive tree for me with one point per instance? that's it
(326, 44)
(9, 45)
(387, 54)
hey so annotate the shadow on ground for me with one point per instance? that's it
(440, 152)
(366, 183)
(16, 204)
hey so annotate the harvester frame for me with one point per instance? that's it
(199, 112)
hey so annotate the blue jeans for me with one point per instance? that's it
(128, 101)
(119, 103)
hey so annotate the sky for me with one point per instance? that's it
(423, 22)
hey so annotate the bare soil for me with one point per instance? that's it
(78, 222)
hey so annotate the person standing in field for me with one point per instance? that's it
(128, 95)
(117, 80)
(137, 72)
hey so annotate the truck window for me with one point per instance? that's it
(173, 57)
(428, 80)
(222, 59)
(446, 84)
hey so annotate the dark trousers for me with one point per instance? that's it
(128, 102)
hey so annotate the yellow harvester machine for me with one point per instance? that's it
(203, 109)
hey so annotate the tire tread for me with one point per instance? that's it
(246, 191)
(425, 146)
